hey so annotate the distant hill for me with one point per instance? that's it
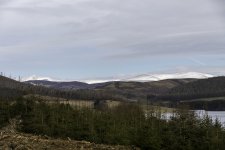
(131, 91)
(140, 90)
(170, 89)
(131, 88)
(117, 85)
(74, 85)
(12, 89)
(204, 88)
(148, 77)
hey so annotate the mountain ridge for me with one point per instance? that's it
(133, 78)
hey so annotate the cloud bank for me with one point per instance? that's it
(85, 38)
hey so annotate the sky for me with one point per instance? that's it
(79, 39)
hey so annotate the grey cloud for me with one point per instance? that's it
(177, 46)
(112, 29)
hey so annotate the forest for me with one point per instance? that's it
(126, 124)
(203, 94)
(214, 105)
(203, 88)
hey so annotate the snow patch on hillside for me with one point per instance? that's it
(155, 77)
(35, 77)
(136, 78)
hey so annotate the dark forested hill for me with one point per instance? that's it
(204, 88)
(10, 88)
(140, 90)
(153, 87)
(9, 83)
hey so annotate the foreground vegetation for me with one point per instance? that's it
(126, 124)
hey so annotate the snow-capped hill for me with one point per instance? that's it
(137, 78)
(144, 77)
(154, 77)
(34, 77)
(99, 81)
(157, 77)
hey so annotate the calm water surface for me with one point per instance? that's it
(213, 114)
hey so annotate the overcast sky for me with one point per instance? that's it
(78, 39)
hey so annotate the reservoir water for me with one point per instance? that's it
(220, 115)
(213, 114)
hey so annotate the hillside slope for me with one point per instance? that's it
(10, 83)
(140, 90)
(131, 91)
(10, 88)
(204, 88)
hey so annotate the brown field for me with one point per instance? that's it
(73, 102)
